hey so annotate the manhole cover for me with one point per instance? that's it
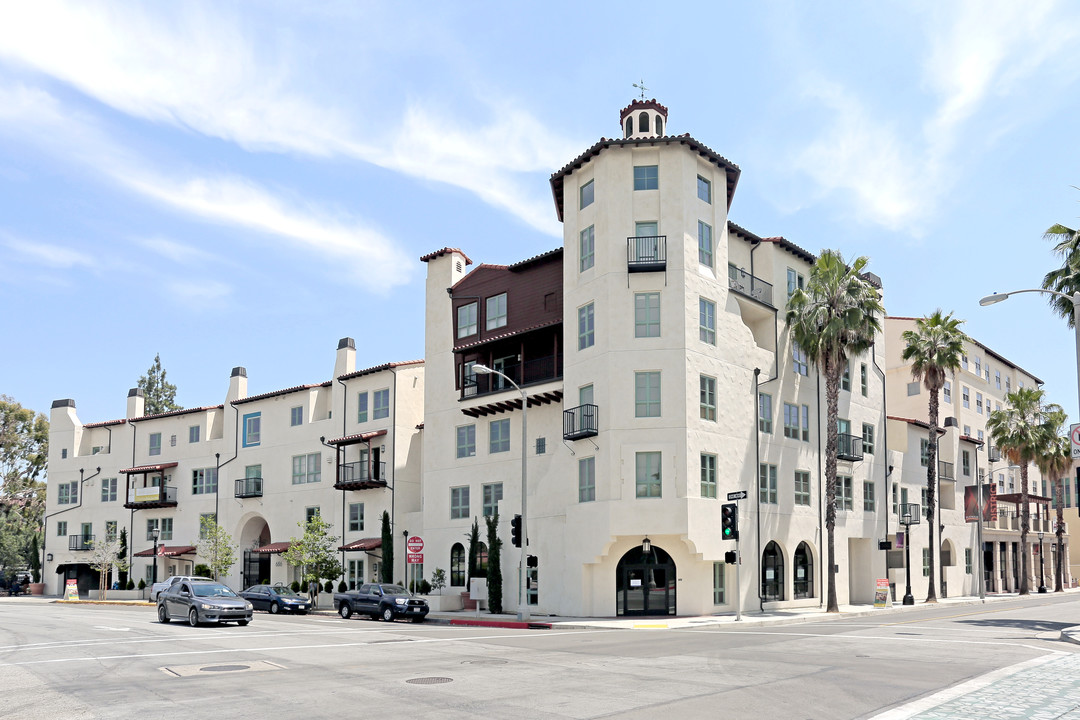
(483, 662)
(429, 681)
(224, 668)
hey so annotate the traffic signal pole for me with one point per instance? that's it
(738, 591)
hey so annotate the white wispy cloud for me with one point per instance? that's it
(232, 87)
(48, 254)
(202, 295)
(177, 252)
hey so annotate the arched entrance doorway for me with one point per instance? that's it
(645, 583)
(772, 573)
(256, 568)
(804, 571)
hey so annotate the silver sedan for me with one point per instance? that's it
(202, 601)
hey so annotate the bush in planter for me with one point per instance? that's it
(295, 586)
(425, 587)
(438, 580)
(329, 586)
(342, 587)
(130, 584)
(142, 584)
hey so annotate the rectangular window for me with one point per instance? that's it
(864, 379)
(204, 481)
(764, 413)
(61, 528)
(493, 493)
(459, 503)
(965, 397)
(361, 407)
(718, 571)
(800, 363)
(499, 436)
(924, 452)
(868, 439)
(252, 429)
(964, 361)
(306, 468)
(845, 499)
(795, 281)
(587, 248)
(646, 177)
(110, 530)
(967, 431)
(1008, 384)
(791, 421)
(707, 386)
(978, 366)
(646, 315)
(151, 526)
(845, 379)
(166, 529)
(68, 493)
(586, 195)
(586, 479)
(869, 503)
(466, 320)
(978, 402)
(647, 474)
(541, 445)
(997, 379)
(914, 388)
(466, 441)
(193, 433)
(586, 327)
(296, 416)
(704, 189)
(310, 513)
(108, 490)
(965, 462)
(967, 561)
(926, 562)
(496, 312)
(946, 392)
(356, 517)
(707, 321)
(802, 487)
(767, 483)
(155, 443)
(895, 498)
(585, 395)
(708, 475)
(380, 404)
(806, 423)
(704, 244)
(647, 394)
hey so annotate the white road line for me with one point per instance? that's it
(887, 638)
(98, 658)
(932, 701)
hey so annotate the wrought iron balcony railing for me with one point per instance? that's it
(80, 542)
(849, 447)
(746, 284)
(580, 422)
(249, 487)
(646, 254)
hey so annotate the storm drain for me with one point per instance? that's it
(193, 670)
(429, 681)
(224, 668)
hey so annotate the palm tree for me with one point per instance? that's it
(832, 319)
(934, 349)
(1054, 462)
(1019, 430)
(1065, 279)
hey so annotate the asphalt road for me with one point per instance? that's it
(88, 661)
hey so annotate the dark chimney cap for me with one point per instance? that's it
(239, 372)
(346, 342)
(136, 392)
(67, 402)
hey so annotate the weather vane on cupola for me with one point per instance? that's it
(641, 86)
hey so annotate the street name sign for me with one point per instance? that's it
(737, 495)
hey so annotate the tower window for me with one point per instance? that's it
(659, 126)
(643, 122)
(629, 126)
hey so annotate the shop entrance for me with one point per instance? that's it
(645, 583)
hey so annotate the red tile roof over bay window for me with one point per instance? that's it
(167, 551)
(362, 544)
(273, 548)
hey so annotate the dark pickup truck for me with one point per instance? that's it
(385, 601)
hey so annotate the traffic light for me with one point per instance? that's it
(515, 531)
(729, 521)
(532, 561)
(730, 557)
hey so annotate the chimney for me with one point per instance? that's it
(345, 362)
(63, 414)
(237, 384)
(136, 403)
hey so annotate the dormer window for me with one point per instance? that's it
(496, 311)
(466, 320)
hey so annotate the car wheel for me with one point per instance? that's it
(193, 618)
(274, 608)
(162, 614)
(388, 614)
(345, 610)
(242, 623)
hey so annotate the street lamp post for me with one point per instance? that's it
(909, 515)
(523, 595)
(155, 534)
(1042, 566)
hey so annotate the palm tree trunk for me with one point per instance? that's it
(931, 487)
(832, 395)
(1059, 531)
(1025, 524)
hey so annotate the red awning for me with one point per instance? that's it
(354, 439)
(363, 544)
(167, 551)
(273, 548)
(143, 469)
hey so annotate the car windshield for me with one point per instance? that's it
(212, 590)
(394, 590)
(283, 591)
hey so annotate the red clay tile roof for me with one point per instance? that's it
(172, 413)
(106, 423)
(276, 547)
(286, 391)
(444, 251)
(143, 469)
(353, 439)
(642, 105)
(167, 551)
(523, 264)
(378, 368)
(362, 544)
(492, 338)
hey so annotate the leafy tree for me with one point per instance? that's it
(1020, 430)
(24, 452)
(1054, 462)
(494, 569)
(934, 349)
(386, 570)
(438, 580)
(103, 556)
(160, 394)
(122, 555)
(474, 552)
(216, 547)
(314, 552)
(832, 319)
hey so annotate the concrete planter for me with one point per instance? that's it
(444, 603)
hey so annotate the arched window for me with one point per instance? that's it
(772, 572)
(629, 126)
(643, 122)
(659, 125)
(457, 565)
(482, 558)
(804, 572)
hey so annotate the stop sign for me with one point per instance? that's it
(415, 544)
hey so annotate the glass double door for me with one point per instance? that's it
(645, 584)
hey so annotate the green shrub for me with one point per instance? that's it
(203, 570)
(130, 584)
(295, 586)
(329, 586)
(342, 587)
(142, 583)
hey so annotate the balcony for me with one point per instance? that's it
(849, 447)
(361, 476)
(531, 372)
(646, 254)
(579, 422)
(249, 487)
(945, 470)
(746, 284)
(150, 497)
(80, 542)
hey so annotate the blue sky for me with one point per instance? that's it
(244, 183)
